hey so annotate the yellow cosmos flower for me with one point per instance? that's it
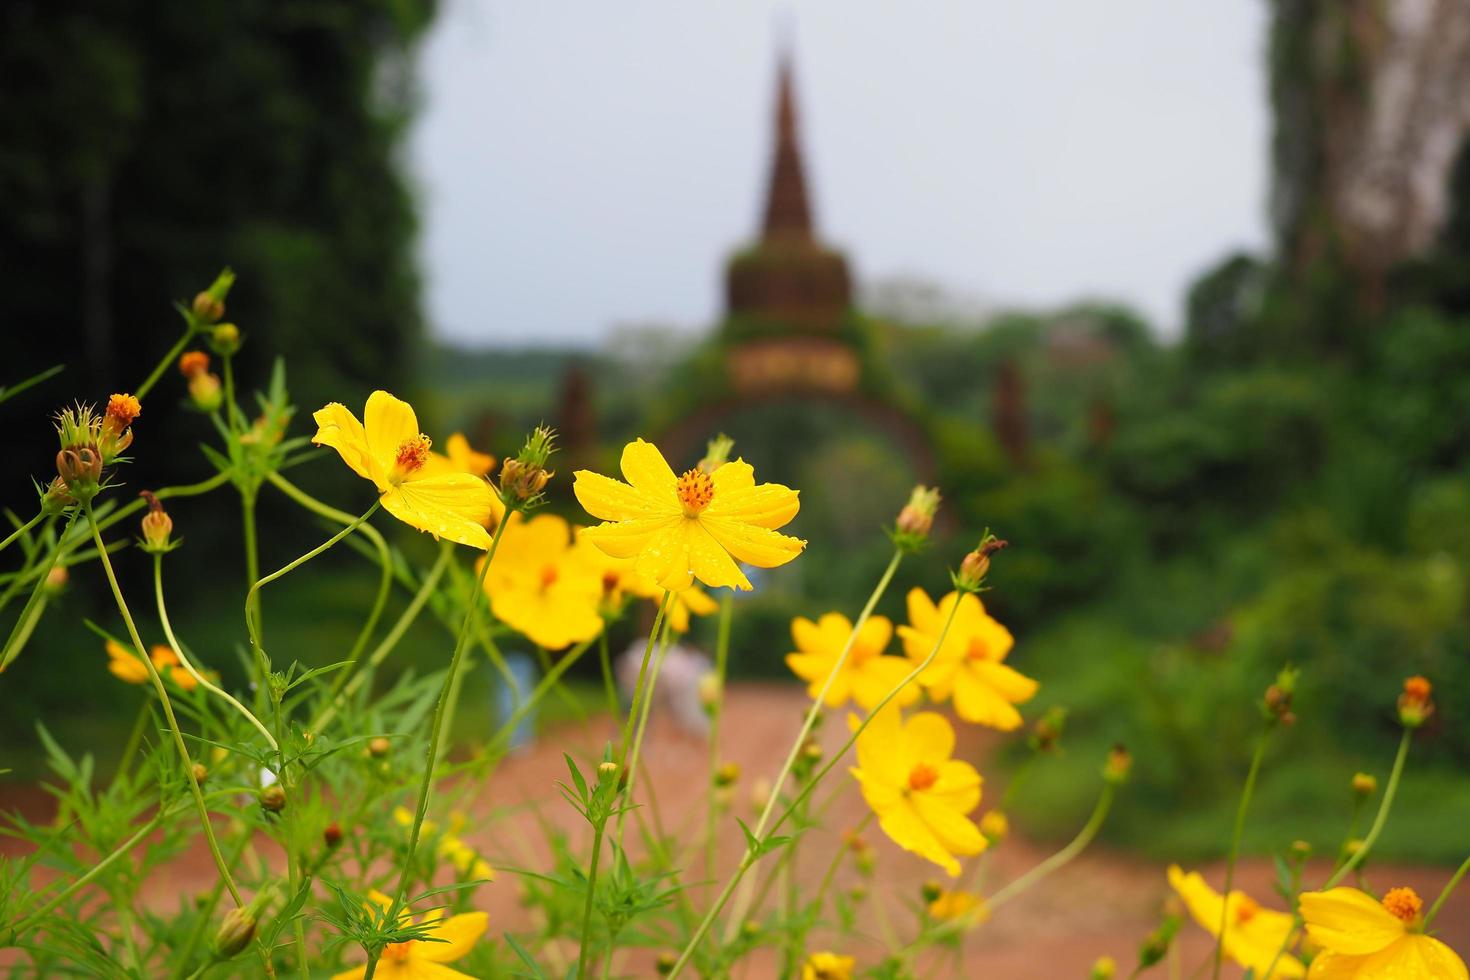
(465, 859)
(126, 665)
(951, 905)
(541, 586)
(1363, 939)
(695, 526)
(460, 457)
(828, 966)
(387, 448)
(969, 665)
(865, 678)
(620, 576)
(1252, 934)
(416, 959)
(920, 794)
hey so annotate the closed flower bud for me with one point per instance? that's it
(379, 746)
(1103, 968)
(1119, 765)
(193, 362)
(728, 774)
(995, 825)
(1364, 784)
(201, 773)
(158, 527)
(931, 891)
(1415, 704)
(524, 477)
(976, 565)
(332, 835)
(917, 517)
(273, 798)
(56, 580)
(1301, 850)
(1048, 729)
(57, 497)
(665, 964)
(205, 391)
(812, 752)
(710, 691)
(716, 453)
(225, 339)
(80, 472)
(234, 933)
(607, 770)
(1352, 847)
(207, 308)
(1156, 944)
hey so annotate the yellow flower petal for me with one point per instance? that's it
(455, 506)
(646, 469)
(459, 934)
(928, 737)
(958, 786)
(873, 679)
(356, 973)
(979, 704)
(387, 422)
(737, 498)
(905, 827)
(612, 500)
(1010, 684)
(1346, 920)
(339, 428)
(751, 544)
(955, 832)
(459, 451)
(126, 665)
(628, 539)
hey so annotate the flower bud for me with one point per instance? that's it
(1119, 765)
(234, 933)
(225, 339)
(995, 825)
(760, 793)
(157, 526)
(379, 746)
(607, 770)
(665, 964)
(727, 775)
(1415, 704)
(57, 497)
(56, 580)
(1048, 729)
(716, 453)
(976, 565)
(911, 529)
(206, 392)
(201, 773)
(273, 798)
(193, 362)
(524, 477)
(1364, 785)
(1156, 944)
(1301, 850)
(931, 891)
(1352, 847)
(80, 473)
(1103, 968)
(116, 433)
(207, 308)
(710, 691)
(332, 835)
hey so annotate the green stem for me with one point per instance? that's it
(1239, 830)
(263, 662)
(426, 786)
(508, 726)
(717, 711)
(23, 626)
(598, 830)
(199, 678)
(385, 559)
(1077, 845)
(637, 750)
(162, 366)
(252, 551)
(168, 709)
(610, 686)
(343, 688)
(18, 532)
(1389, 792)
(1445, 893)
(124, 762)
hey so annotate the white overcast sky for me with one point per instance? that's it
(588, 164)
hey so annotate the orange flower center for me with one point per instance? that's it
(398, 951)
(413, 454)
(1403, 903)
(923, 776)
(695, 490)
(548, 575)
(1246, 909)
(977, 650)
(1417, 689)
(121, 411)
(610, 582)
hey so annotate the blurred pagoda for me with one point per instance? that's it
(788, 296)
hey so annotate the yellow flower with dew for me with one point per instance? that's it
(388, 448)
(127, 665)
(620, 577)
(460, 457)
(828, 966)
(969, 666)
(921, 795)
(694, 526)
(1252, 934)
(464, 858)
(448, 939)
(953, 905)
(866, 676)
(541, 585)
(1362, 938)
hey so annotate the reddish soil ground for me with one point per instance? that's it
(1102, 903)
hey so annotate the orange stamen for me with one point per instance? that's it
(1403, 903)
(413, 453)
(121, 411)
(548, 575)
(1418, 689)
(923, 776)
(1245, 909)
(695, 490)
(977, 649)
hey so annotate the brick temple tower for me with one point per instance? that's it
(788, 296)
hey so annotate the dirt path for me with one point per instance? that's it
(1101, 903)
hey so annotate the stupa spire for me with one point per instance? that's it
(788, 208)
